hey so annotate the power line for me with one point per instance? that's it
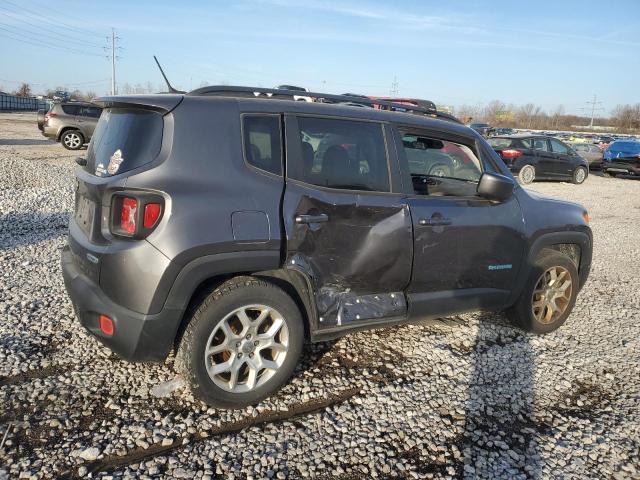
(39, 43)
(19, 30)
(41, 28)
(57, 23)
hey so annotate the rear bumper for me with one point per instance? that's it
(49, 132)
(622, 167)
(137, 337)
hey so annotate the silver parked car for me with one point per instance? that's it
(70, 123)
(591, 153)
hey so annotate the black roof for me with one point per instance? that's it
(424, 107)
(248, 102)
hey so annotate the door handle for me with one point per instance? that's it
(320, 218)
(435, 222)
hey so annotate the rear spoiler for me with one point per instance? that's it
(160, 103)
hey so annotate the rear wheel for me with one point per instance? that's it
(608, 173)
(549, 294)
(579, 175)
(527, 174)
(241, 344)
(72, 140)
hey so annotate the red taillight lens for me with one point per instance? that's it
(511, 153)
(151, 214)
(106, 325)
(128, 213)
(49, 115)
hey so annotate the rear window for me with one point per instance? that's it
(123, 140)
(629, 147)
(71, 109)
(500, 142)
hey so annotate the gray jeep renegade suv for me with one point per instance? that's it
(233, 225)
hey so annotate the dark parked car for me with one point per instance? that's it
(482, 128)
(70, 123)
(535, 157)
(622, 157)
(502, 131)
(234, 228)
(590, 152)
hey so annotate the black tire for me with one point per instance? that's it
(40, 118)
(522, 313)
(235, 294)
(607, 173)
(527, 174)
(72, 139)
(579, 175)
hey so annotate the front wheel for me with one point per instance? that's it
(241, 344)
(579, 175)
(72, 140)
(549, 294)
(527, 174)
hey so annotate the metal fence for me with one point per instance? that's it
(13, 102)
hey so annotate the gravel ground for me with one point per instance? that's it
(469, 397)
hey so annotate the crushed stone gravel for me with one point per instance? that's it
(467, 397)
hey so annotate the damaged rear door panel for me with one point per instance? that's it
(355, 246)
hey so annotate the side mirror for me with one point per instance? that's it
(495, 187)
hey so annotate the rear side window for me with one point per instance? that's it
(342, 154)
(71, 109)
(93, 112)
(540, 144)
(558, 147)
(123, 140)
(262, 142)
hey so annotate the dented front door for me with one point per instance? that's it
(355, 248)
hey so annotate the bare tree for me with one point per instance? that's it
(626, 117)
(24, 90)
(493, 111)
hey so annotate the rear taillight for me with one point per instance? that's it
(151, 214)
(511, 153)
(49, 115)
(128, 212)
(135, 215)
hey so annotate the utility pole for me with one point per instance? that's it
(593, 104)
(113, 62)
(114, 57)
(394, 87)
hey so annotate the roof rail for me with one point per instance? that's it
(424, 107)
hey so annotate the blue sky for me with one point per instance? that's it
(453, 52)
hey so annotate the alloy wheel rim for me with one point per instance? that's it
(527, 175)
(72, 140)
(552, 294)
(246, 348)
(580, 175)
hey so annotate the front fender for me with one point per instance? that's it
(583, 238)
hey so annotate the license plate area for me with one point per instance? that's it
(85, 210)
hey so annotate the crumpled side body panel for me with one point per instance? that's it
(359, 261)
